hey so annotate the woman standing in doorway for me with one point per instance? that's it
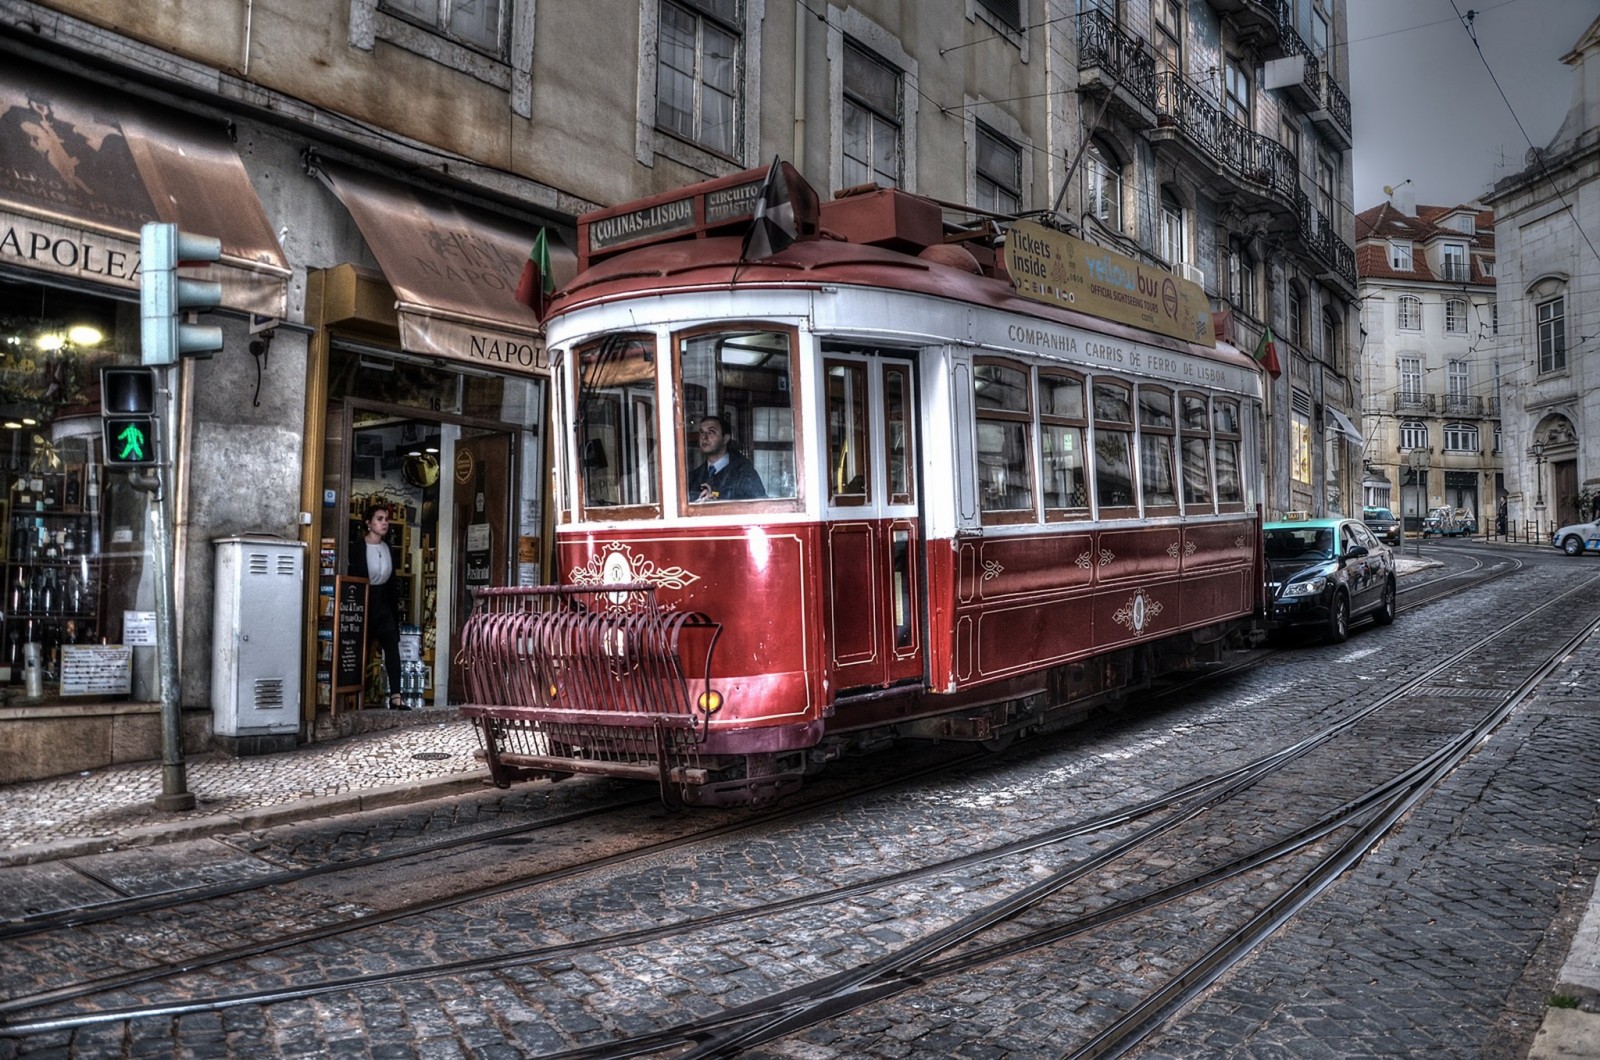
(374, 559)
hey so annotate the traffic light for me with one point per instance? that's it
(128, 412)
(164, 296)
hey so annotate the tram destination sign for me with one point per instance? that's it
(1060, 270)
(712, 205)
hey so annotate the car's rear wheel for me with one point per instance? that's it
(1338, 619)
(1572, 545)
(1385, 612)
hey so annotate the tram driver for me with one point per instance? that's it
(724, 473)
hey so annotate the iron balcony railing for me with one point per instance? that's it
(1463, 405)
(1128, 60)
(1406, 401)
(1455, 272)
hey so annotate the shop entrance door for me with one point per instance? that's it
(479, 503)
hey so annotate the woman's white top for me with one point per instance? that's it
(379, 565)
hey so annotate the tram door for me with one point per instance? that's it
(873, 543)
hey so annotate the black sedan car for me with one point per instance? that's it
(1384, 526)
(1322, 573)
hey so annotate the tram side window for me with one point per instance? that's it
(617, 450)
(1225, 419)
(741, 384)
(1062, 419)
(897, 443)
(1113, 446)
(849, 459)
(1157, 478)
(1195, 430)
(1004, 409)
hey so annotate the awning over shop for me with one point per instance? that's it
(1342, 423)
(454, 270)
(82, 169)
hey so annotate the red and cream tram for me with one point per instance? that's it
(947, 510)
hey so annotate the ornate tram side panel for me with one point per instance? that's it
(1057, 608)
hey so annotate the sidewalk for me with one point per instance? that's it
(429, 755)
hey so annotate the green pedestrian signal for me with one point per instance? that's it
(128, 416)
(130, 441)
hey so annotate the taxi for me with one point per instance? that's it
(1324, 573)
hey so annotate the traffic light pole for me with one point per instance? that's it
(175, 794)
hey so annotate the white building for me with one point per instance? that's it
(1547, 227)
(1431, 404)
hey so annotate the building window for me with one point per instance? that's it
(1236, 90)
(1413, 434)
(1332, 349)
(1319, 34)
(1167, 16)
(1326, 183)
(1455, 263)
(1552, 323)
(697, 70)
(1173, 243)
(1455, 316)
(1400, 257)
(1007, 11)
(1242, 280)
(1411, 380)
(1102, 185)
(479, 23)
(871, 120)
(1494, 318)
(1460, 438)
(1486, 266)
(1458, 378)
(1497, 439)
(1300, 439)
(999, 173)
(1297, 316)
(1410, 313)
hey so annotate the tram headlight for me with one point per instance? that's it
(1309, 587)
(710, 701)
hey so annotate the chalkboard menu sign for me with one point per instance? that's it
(349, 633)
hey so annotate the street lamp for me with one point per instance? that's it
(1538, 483)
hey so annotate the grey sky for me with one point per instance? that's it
(1423, 105)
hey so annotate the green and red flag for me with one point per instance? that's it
(537, 284)
(1266, 354)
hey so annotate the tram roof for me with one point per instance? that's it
(714, 263)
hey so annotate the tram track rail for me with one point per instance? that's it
(933, 956)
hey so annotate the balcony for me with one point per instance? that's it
(1324, 243)
(1411, 402)
(1113, 62)
(1463, 405)
(1331, 112)
(1455, 272)
(1258, 22)
(1259, 174)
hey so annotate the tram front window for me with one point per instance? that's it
(616, 429)
(737, 435)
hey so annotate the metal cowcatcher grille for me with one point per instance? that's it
(585, 680)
